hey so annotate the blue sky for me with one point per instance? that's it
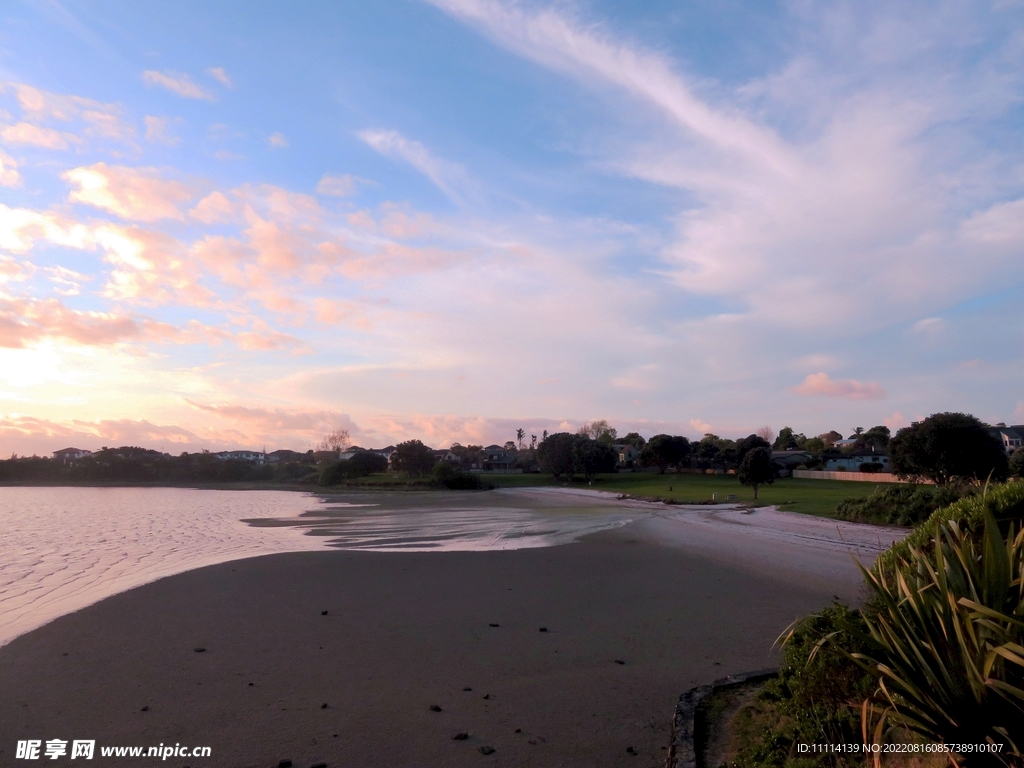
(236, 224)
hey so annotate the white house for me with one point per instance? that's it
(69, 455)
(626, 453)
(253, 457)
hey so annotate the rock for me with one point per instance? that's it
(251, 684)
(632, 751)
(318, 765)
(519, 730)
(487, 750)
(462, 736)
(200, 650)
(494, 625)
(285, 764)
(467, 689)
(434, 708)
(487, 695)
(323, 706)
(619, 661)
(543, 629)
(323, 613)
(145, 708)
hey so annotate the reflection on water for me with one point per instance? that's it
(62, 549)
(458, 521)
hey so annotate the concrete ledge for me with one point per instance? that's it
(684, 751)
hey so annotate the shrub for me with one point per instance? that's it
(949, 641)
(900, 505)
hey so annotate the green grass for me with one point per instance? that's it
(812, 497)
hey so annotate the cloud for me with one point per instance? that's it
(179, 83)
(218, 74)
(448, 177)
(26, 320)
(929, 326)
(138, 194)
(819, 384)
(337, 186)
(34, 136)
(278, 140)
(158, 130)
(700, 426)
(9, 176)
(215, 208)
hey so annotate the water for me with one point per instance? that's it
(62, 549)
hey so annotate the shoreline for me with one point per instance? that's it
(405, 631)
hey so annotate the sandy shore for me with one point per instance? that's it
(405, 631)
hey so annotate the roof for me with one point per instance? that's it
(71, 450)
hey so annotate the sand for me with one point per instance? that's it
(679, 600)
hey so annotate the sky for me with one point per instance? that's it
(247, 224)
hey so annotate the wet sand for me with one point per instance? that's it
(680, 604)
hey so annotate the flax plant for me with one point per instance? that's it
(948, 632)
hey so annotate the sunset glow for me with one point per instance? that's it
(225, 227)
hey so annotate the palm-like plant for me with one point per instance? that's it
(949, 629)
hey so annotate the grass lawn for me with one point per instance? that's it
(812, 497)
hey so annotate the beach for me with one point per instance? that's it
(632, 616)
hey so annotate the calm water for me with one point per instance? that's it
(62, 549)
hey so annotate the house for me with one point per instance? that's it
(852, 462)
(70, 455)
(791, 459)
(258, 458)
(848, 443)
(628, 454)
(445, 455)
(496, 458)
(1011, 438)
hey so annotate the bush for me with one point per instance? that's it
(815, 698)
(1017, 463)
(871, 466)
(361, 464)
(900, 505)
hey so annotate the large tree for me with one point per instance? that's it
(635, 439)
(749, 443)
(663, 450)
(756, 469)
(554, 454)
(946, 446)
(412, 457)
(593, 456)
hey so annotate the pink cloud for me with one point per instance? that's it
(34, 136)
(819, 384)
(215, 208)
(137, 194)
(178, 83)
(9, 176)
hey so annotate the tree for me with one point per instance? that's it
(1017, 463)
(663, 450)
(592, 456)
(533, 442)
(599, 430)
(829, 438)
(749, 443)
(876, 437)
(412, 457)
(785, 440)
(945, 446)
(634, 439)
(767, 434)
(336, 441)
(555, 454)
(510, 447)
(520, 434)
(756, 468)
